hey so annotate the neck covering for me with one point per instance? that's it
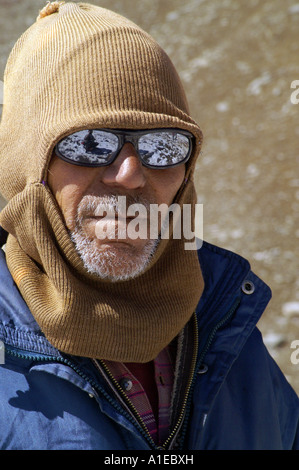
(77, 67)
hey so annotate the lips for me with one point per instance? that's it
(121, 228)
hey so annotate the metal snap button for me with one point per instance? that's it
(126, 384)
(203, 369)
(248, 287)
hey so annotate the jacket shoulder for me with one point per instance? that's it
(18, 327)
(210, 255)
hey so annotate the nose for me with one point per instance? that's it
(126, 170)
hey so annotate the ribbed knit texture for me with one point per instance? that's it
(86, 67)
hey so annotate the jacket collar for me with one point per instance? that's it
(18, 327)
(233, 300)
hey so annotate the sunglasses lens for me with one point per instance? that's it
(162, 149)
(88, 147)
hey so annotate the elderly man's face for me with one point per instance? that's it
(80, 191)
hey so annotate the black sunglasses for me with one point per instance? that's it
(156, 148)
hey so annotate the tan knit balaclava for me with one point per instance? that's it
(77, 67)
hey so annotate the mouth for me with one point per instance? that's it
(110, 220)
(121, 229)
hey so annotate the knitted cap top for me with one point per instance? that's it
(80, 66)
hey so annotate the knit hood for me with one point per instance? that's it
(77, 67)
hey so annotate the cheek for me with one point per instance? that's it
(169, 182)
(68, 184)
(68, 199)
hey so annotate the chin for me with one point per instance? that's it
(114, 260)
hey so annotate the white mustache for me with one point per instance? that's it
(95, 206)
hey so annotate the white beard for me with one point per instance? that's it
(112, 263)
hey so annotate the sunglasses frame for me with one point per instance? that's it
(131, 136)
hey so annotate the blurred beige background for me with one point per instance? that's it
(237, 60)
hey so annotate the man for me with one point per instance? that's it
(117, 342)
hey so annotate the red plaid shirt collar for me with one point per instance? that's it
(164, 378)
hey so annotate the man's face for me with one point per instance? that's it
(82, 191)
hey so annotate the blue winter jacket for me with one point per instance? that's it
(238, 397)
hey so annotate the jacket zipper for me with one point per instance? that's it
(133, 408)
(171, 438)
(126, 401)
